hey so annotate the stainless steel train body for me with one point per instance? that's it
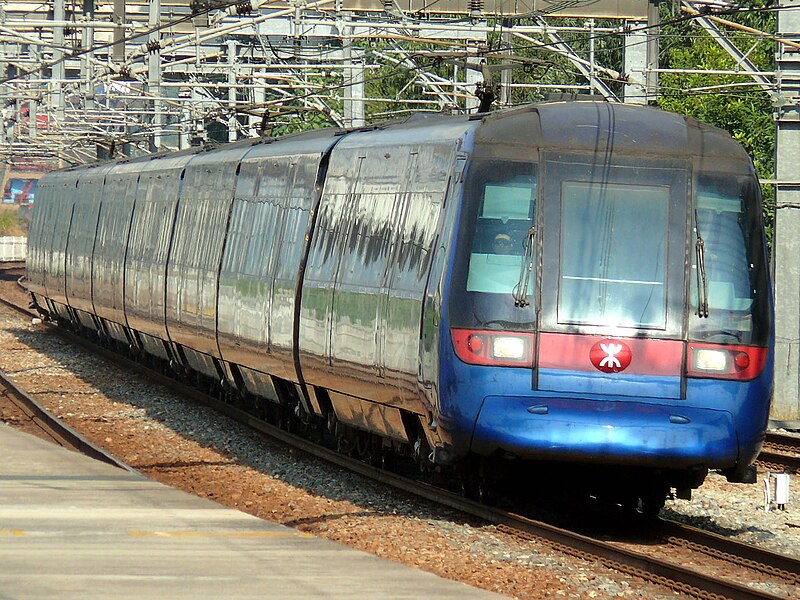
(351, 273)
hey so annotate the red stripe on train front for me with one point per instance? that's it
(633, 356)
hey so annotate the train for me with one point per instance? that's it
(572, 289)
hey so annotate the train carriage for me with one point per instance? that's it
(277, 189)
(579, 284)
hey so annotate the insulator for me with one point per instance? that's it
(242, 8)
(475, 8)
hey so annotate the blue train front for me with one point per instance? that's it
(608, 301)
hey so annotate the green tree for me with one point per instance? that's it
(727, 101)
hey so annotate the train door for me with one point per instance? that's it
(61, 216)
(387, 332)
(613, 284)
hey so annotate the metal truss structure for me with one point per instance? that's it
(139, 77)
(85, 78)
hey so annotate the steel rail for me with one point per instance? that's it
(779, 462)
(610, 555)
(782, 442)
(61, 433)
(717, 546)
(12, 265)
(24, 311)
(781, 452)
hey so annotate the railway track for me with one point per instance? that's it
(725, 562)
(50, 426)
(16, 266)
(735, 561)
(781, 452)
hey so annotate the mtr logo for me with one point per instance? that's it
(610, 356)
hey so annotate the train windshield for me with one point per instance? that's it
(504, 217)
(500, 203)
(729, 295)
(613, 254)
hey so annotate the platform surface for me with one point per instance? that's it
(73, 527)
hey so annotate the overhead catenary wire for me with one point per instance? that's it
(411, 70)
(216, 33)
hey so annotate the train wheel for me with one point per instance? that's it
(331, 422)
(651, 504)
(485, 494)
(420, 452)
(477, 489)
(387, 461)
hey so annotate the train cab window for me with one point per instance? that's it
(726, 220)
(504, 216)
(613, 254)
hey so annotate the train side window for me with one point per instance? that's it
(504, 217)
(718, 216)
(727, 217)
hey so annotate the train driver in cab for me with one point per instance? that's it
(501, 244)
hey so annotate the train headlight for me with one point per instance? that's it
(706, 359)
(716, 361)
(508, 347)
(494, 348)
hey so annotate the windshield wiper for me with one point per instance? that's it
(520, 292)
(702, 279)
(519, 325)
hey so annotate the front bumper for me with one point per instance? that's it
(619, 432)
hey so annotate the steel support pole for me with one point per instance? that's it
(353, 76)
(57, 95)
(357, 90)
(232, 123)
(786, 254)
(506, 75)
(119, 34)
(185, 128)
(87, 39)
(6, 92)
(254, 121)
(154, 77)
(33, 114)
(472, 77)
(635, 64)
(651, 76)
